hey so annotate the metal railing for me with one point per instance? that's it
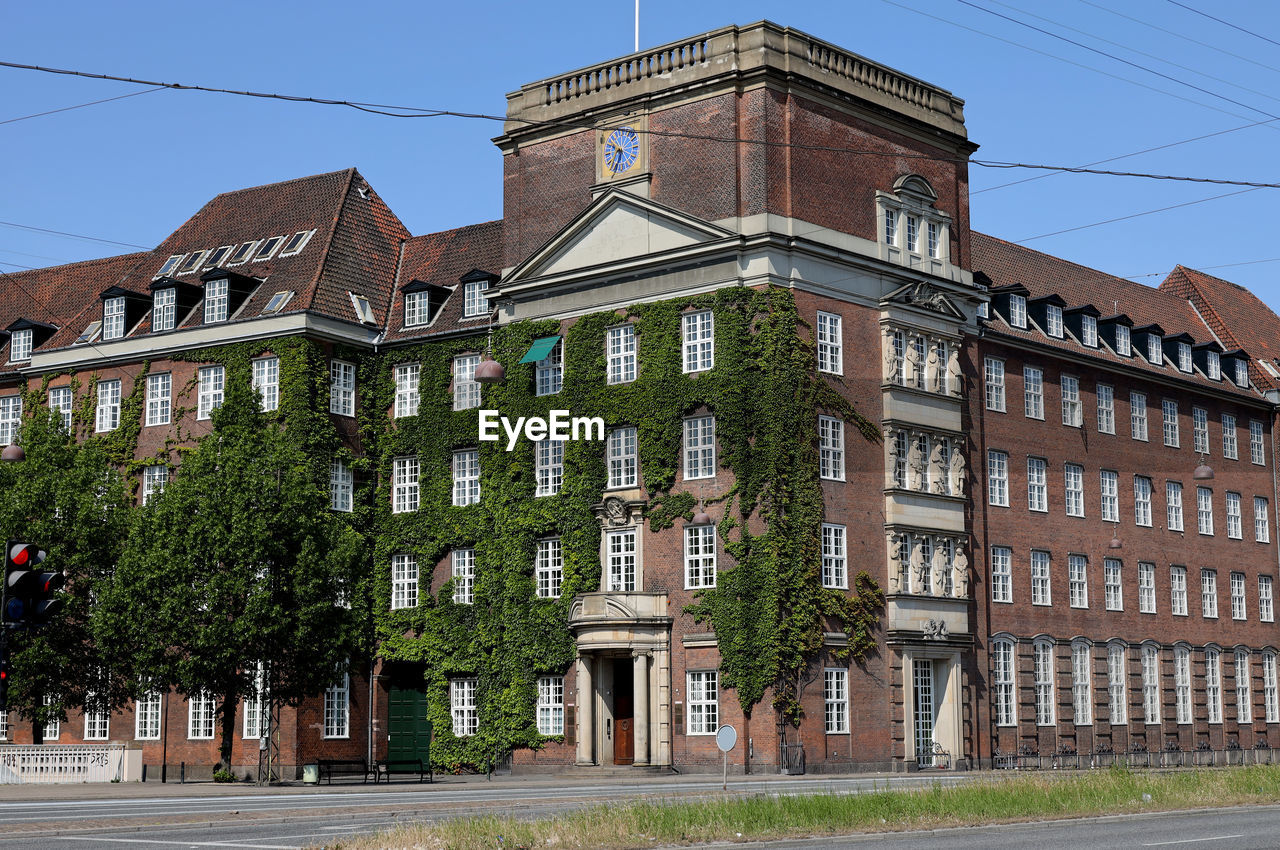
(1066, 758)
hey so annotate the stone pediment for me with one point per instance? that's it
(618, 226)
(926, 296)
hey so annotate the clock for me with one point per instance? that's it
(621, 148)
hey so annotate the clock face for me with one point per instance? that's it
(621, 148)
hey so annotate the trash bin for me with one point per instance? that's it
(311, 774)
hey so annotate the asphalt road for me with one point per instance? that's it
(297, 819)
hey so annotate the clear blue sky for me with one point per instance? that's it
(132, 170)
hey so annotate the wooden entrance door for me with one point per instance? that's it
(624, 747)
(408, 730)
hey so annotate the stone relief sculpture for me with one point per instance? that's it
(916, 465)
(960, 569)
(935, 368)
(939, 472)
(958, 472)
(890, 358)
(919, 569)
(954, 373)
(913, 365)
(895, 563)
(939, 569)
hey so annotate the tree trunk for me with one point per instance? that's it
(228, 716)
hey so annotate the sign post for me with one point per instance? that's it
(726, 739)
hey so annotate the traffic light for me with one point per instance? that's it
(29, 594)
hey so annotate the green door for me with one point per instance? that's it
(409, 731)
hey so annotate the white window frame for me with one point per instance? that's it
(621, 348)
(466, 389)
(1261, 520)
(1151, 691)
(97, 722)
(1204, 511)
(830, 448)
(1266, 600)
(700, 447)
(1235, 523)
(473, 302)
(1142, 500)
(623, 461)
(1209, 594)
(997, 478)
(404, 581)
(113, 318)
(154, 479)
(10, 418)
(1109, 495)
(1089, 330)
(1199, 430)
(1117, 689)
(1239, 606)
(1033, 392)
(108, 412)
(213, 382)
(1178, 591)
(1173, 505)
(1182, 683)
(835, 569)
(1082, 683)
(1184, 357)
(1106, 409)
(1001, 574)
(1213, 684)
(1073, 488)
(1146, 587)
(1172, 438)
(466, 477)
(1269, 686)
(342, 388)
(1230, 443)
(407, 377)
(549, 467)
(146, 716)
(549, 568)
(1078, 581)
(703, 715)
(1124, 345)
(549, 372)
(341, 486)
(1037, 484)
(623, 560)
(404, 484)
(62, 399)
(1072, 415)
(1213, 363)
(462, 570)
(164, 309)
(1053, 320)
(20, 345)
(1041, 585)
(201, 709)
(1242, 374)
(1112, 586)
(835, 700)
(700, 556)
(1002, 681)
(699, 341)
(830, 343)
(216, 302)
(1043, 664)
(1257, 450)
(337, 709)
(993, 374)
(1138, 416)
(551, 705)
(1155, 350)
(266, 381)
(462, 707)
(159, 399)
(417, 308)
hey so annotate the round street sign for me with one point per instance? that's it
(726, 738)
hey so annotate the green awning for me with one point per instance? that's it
(540, 349)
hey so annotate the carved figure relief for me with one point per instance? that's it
(958, 472)
(915, 465)
(939, 472)
(960, 569)
(935, 630)
(895, 563)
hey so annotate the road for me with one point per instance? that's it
(295, 818)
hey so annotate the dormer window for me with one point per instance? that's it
(20, 346)
(1242, 373)
(1214, 365)
(1018, 311)
(417, 308)
(268, 248)
(984, 310)
(215, 301)
(1053, 320)
(474, 304)
(169, 265)
(1089, 331)
(243, 253)
(1122, 341)
(164, 309)
(296, 243)
(363, 311)
(1155, 350)
(112, 318)
(1184, 357)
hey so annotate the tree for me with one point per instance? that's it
(67, 498)
(239, 561)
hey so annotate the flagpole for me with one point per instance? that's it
(637, 26)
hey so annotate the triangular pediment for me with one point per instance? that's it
(926, 296)
(618, 226)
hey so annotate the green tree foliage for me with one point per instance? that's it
(239, 561)
(68, 499)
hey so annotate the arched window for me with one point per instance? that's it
(912, 231)
(1044, 673)
(1082, 682)
(1002, 675)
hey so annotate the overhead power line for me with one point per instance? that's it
(418, 112)
(1226, 23)
(80, 105)
(72, 235)
(1132, 215)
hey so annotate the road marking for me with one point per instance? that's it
(178, 843)
(1193, 840)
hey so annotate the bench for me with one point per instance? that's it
(343, 767)
(384, 769)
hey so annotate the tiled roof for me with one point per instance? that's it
(443, 258)
(56, 294)
(1237, 316)
(1006, 263)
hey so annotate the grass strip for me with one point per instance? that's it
(763, 816)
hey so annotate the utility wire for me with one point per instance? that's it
(1132, 215)
(1150, 25)
(1112, 56)
(1226, 23)
(72, 235)
(416, 112)
(81, 105)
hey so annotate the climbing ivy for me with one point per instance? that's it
(769, 610)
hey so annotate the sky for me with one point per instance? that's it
(1076, 82)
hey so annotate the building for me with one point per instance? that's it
(825, 549)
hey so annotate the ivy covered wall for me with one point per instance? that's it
(768, 610)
